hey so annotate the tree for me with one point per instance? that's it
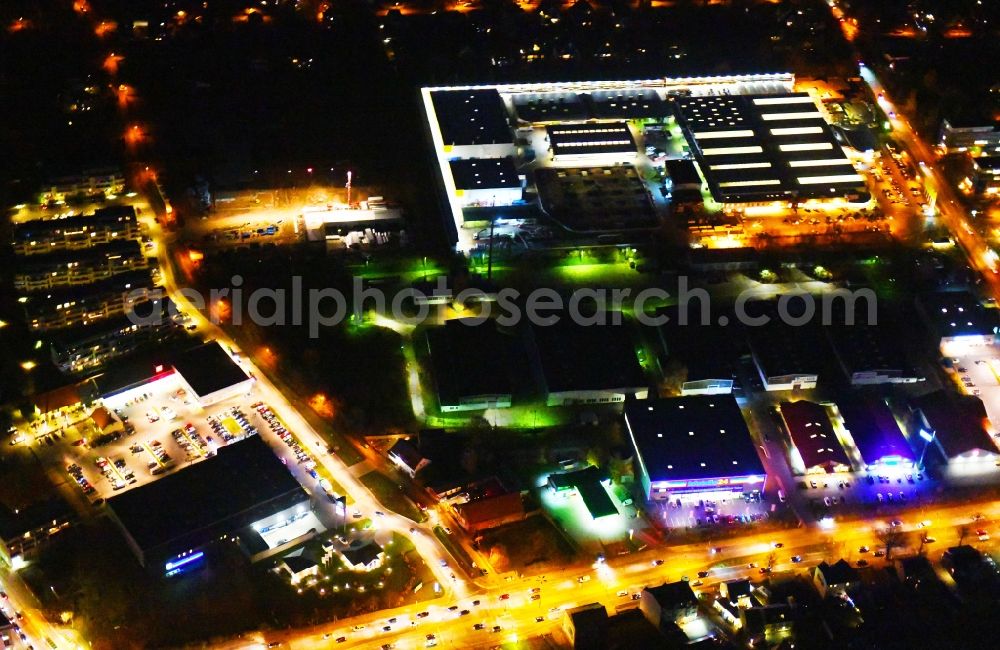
(963, 532)
(891, 537)
(674, 375)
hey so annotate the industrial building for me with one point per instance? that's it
(472, 123)
(590, 483)
(701, 353)
(210, 374)
(368, 223)
(541, 125)
(475, 365)
(786, 357)
(815, 447)
(760, 149)
(689, 447)
(581, 141)
(609, 198)
(588, 364)
(169, 523)
(958, 320)
(486, 181)
(870, 354)
(109, 224)
(952, 428)
(876, 435)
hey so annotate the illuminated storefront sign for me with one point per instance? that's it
(735, 482)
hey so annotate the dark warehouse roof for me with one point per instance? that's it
(207, 368)
(699, 436)
(243, 483)
(470, 117)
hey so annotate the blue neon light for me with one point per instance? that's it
(189, 559)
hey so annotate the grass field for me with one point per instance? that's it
(387, 493)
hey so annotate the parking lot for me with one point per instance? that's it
(976, 371)
(713, 509)
(165, 430)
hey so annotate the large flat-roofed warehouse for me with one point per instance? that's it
(473, 122)
(486, 181)
(870, 354)
(593, 364)
(243, 484)
(705, 351)
(693, 445)
(763, 148)
(474, 366)
(958, 320)
(567, 106)
(787, 357)
(876, 435)
(954, 428)
(211, 374)
(815, 447)
(591, 139)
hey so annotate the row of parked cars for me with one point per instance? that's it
(77, 473)
(190, 441)
(116, 475)
(220, 429)
(162, 460)
(279, 429)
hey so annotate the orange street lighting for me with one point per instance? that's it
(105, 27)
(134, 135)
(322, 405)
(125, 95)
(28, 365)
(111, 62)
